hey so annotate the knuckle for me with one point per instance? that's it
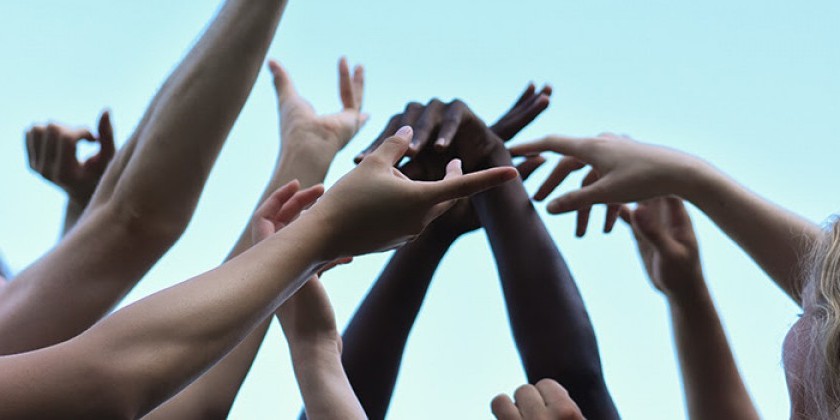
(565, 410)
(457, 103)
(413, 106)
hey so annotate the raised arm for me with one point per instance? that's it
(376, 337)
(51, 151)
(140, 356)
(624, 170)
(668, 248)
(553, 333)
(308, 322)
(132, 219)
(309, 143)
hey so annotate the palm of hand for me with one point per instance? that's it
(299, 122)
(302, 127)
(673, 259)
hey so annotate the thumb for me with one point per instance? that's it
(106, 136)
(456, 185)
(393, 148)
(282, 82)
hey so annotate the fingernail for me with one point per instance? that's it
(405, 131)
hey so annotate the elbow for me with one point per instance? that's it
(142, 225)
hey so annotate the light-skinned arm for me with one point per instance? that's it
(143, 354)
(624, 170)
(309, 143)
(131, 220)
(668, 248)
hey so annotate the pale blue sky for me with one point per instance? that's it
(750, 85)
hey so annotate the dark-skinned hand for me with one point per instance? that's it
(459, 133)
(52, 154)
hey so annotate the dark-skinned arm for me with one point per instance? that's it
(550, 324)
(388, 312)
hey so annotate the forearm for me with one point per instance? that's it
(326, 391)
(131, 221)
(713, 386)
(375, 339)
(163, 342)
(774, 237)
(194, 111)
(212, 395)
(550, 324)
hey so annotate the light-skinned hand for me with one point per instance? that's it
(547, 400)
(667, 243)
(376, 207)
(622, 170)
(303, 129)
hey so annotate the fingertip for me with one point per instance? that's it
(547, 89)
(404, 133)
(273, 66)
(454, 166)
(441, 144)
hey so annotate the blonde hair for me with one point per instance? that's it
(821, 298)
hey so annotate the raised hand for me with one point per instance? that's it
(622, 171)
(52, 153)
(376, 207)
(281, 208)
(461, 218)
(442, 121)
(667, 243)
(302, 128)
(547, 400)
(429, 162)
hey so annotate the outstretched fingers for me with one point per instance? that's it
(452, 118)
(564, 168)
(569, 146)
(272, 205)
(456, 185)
(527, 167)
(585, 211)
(282, 82)
(299, 202)
(345, 85)
(527, 108)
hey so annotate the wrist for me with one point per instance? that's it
(700, 182)
(314, 353)
(437, 237)
(76, 206)
(495, 155)
(307, 152)
(691, 291)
